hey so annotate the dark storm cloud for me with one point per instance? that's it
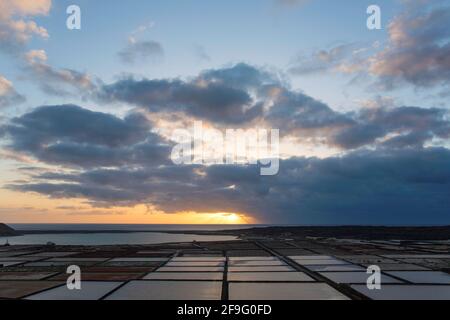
(242, 94)
(362, 187)
(71, 135)
(398, 127)
(141, 51)
(294, 111)
(117, 161)
(234, 95)
(418, 50)
(213, 96)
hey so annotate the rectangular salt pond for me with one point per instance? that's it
(269, 276)
(260, 269)
(143, 259)
(168, 290)
(309, 257)
(190, 269)
(355, 277)
(320, 262)
(417, 256)
(194, 264)
(253, 258)
(212, 276)
(406, 292)
(90, 290)
(344, 267)
(283, 291)
(423, 277)
(242, 263)
(399, 267)
(198, 258)
(18, 289)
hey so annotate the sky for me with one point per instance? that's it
(88, 116)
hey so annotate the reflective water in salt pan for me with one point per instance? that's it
(355, 277)
(198, 258)
(143, 259)
(90, 290)
(423, 277)
(256, 263)
(269, 276)
(184, 276)
(111, 238)
(347, 267)
(317, 257)
(320, 262)
(260, 268)
(283, 291)
(190, 269)
(194, 264)
(406, 292)
(253, 258)
(169, 290)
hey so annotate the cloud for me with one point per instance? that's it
(56, 81)
(244, 95)
(419, 49)
(72, 136)
(370, 187)
(8, 95)
(333, 59)
(141, 51)
(397, 127)
(15, 27)
(216, 95)
(109, 161)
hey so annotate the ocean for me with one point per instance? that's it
(132, 227)
(135, 234)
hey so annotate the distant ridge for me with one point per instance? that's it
(7, 231)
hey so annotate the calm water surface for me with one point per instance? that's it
(110, 238)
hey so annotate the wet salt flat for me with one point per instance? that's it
(238, 270)
(346, 267)
(284, 291)
(406, 292)
(168, 290)
(89, 291)
(269, 276)
(184, 276)
(355, 277)
(423, 277)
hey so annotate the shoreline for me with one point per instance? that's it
(295, 232)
